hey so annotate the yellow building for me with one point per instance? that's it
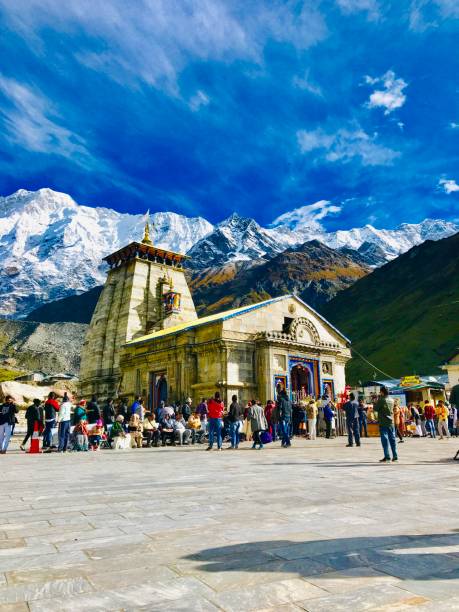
(452, 369)
(145, 339)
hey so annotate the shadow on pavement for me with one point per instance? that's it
(406, 557)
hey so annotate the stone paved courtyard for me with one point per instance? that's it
(318, 527)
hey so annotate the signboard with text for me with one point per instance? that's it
(410, 381)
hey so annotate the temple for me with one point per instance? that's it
(146, 339)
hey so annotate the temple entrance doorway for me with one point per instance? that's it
(301, 385)
(157, 390)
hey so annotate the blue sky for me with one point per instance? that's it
(210, 106)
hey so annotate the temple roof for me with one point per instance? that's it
(136, 249)
(223, 316)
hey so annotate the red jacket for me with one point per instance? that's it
(429, 412)
(215, 409)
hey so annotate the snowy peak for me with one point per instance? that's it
(234, 239)
(51, 247)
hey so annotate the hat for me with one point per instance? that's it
(82, 402)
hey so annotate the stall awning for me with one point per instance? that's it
(431, 385)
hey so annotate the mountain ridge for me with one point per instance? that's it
(51, 247)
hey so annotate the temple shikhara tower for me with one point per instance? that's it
(145, 291)
(145, 339)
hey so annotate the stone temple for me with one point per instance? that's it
(145, 338)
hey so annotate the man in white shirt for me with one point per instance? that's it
(64, 416)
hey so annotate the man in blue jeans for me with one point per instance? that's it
(215, 407)
(285, 417)
(64, 424)
(385, 409)
(234, 416)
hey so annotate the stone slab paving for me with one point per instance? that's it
(318, 527)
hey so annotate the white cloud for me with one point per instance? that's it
(31, 121)
(347, 144)
(307, 84)
(448, 185)
(353, 6)
(152, 41)
(307, 216)
(391, 96)
(453, 125)
(425, 14)
(198, 100)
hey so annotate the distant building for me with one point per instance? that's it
(145, 338)
(452, 369)
(37, 377)
(54, 378)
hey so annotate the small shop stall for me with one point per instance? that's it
(417, 389)
(369, 392)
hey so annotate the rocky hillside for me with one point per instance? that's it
(404, 317)
(313, 271)
(51, 348)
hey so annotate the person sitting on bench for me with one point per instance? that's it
(135, 429)
(151, 429)
(167, 430)
(118, 435)
(195, 426)
(182, 434)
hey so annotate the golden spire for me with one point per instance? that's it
(146, 235)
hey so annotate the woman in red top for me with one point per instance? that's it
(215, 407)
(268, 414)
(429, 413)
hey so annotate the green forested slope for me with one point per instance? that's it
(404, 317)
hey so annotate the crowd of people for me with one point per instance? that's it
(85, 426)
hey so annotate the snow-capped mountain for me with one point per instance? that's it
(51, 247)
(396, 241)
(293, 229)
(234, 239)
(239, 238)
